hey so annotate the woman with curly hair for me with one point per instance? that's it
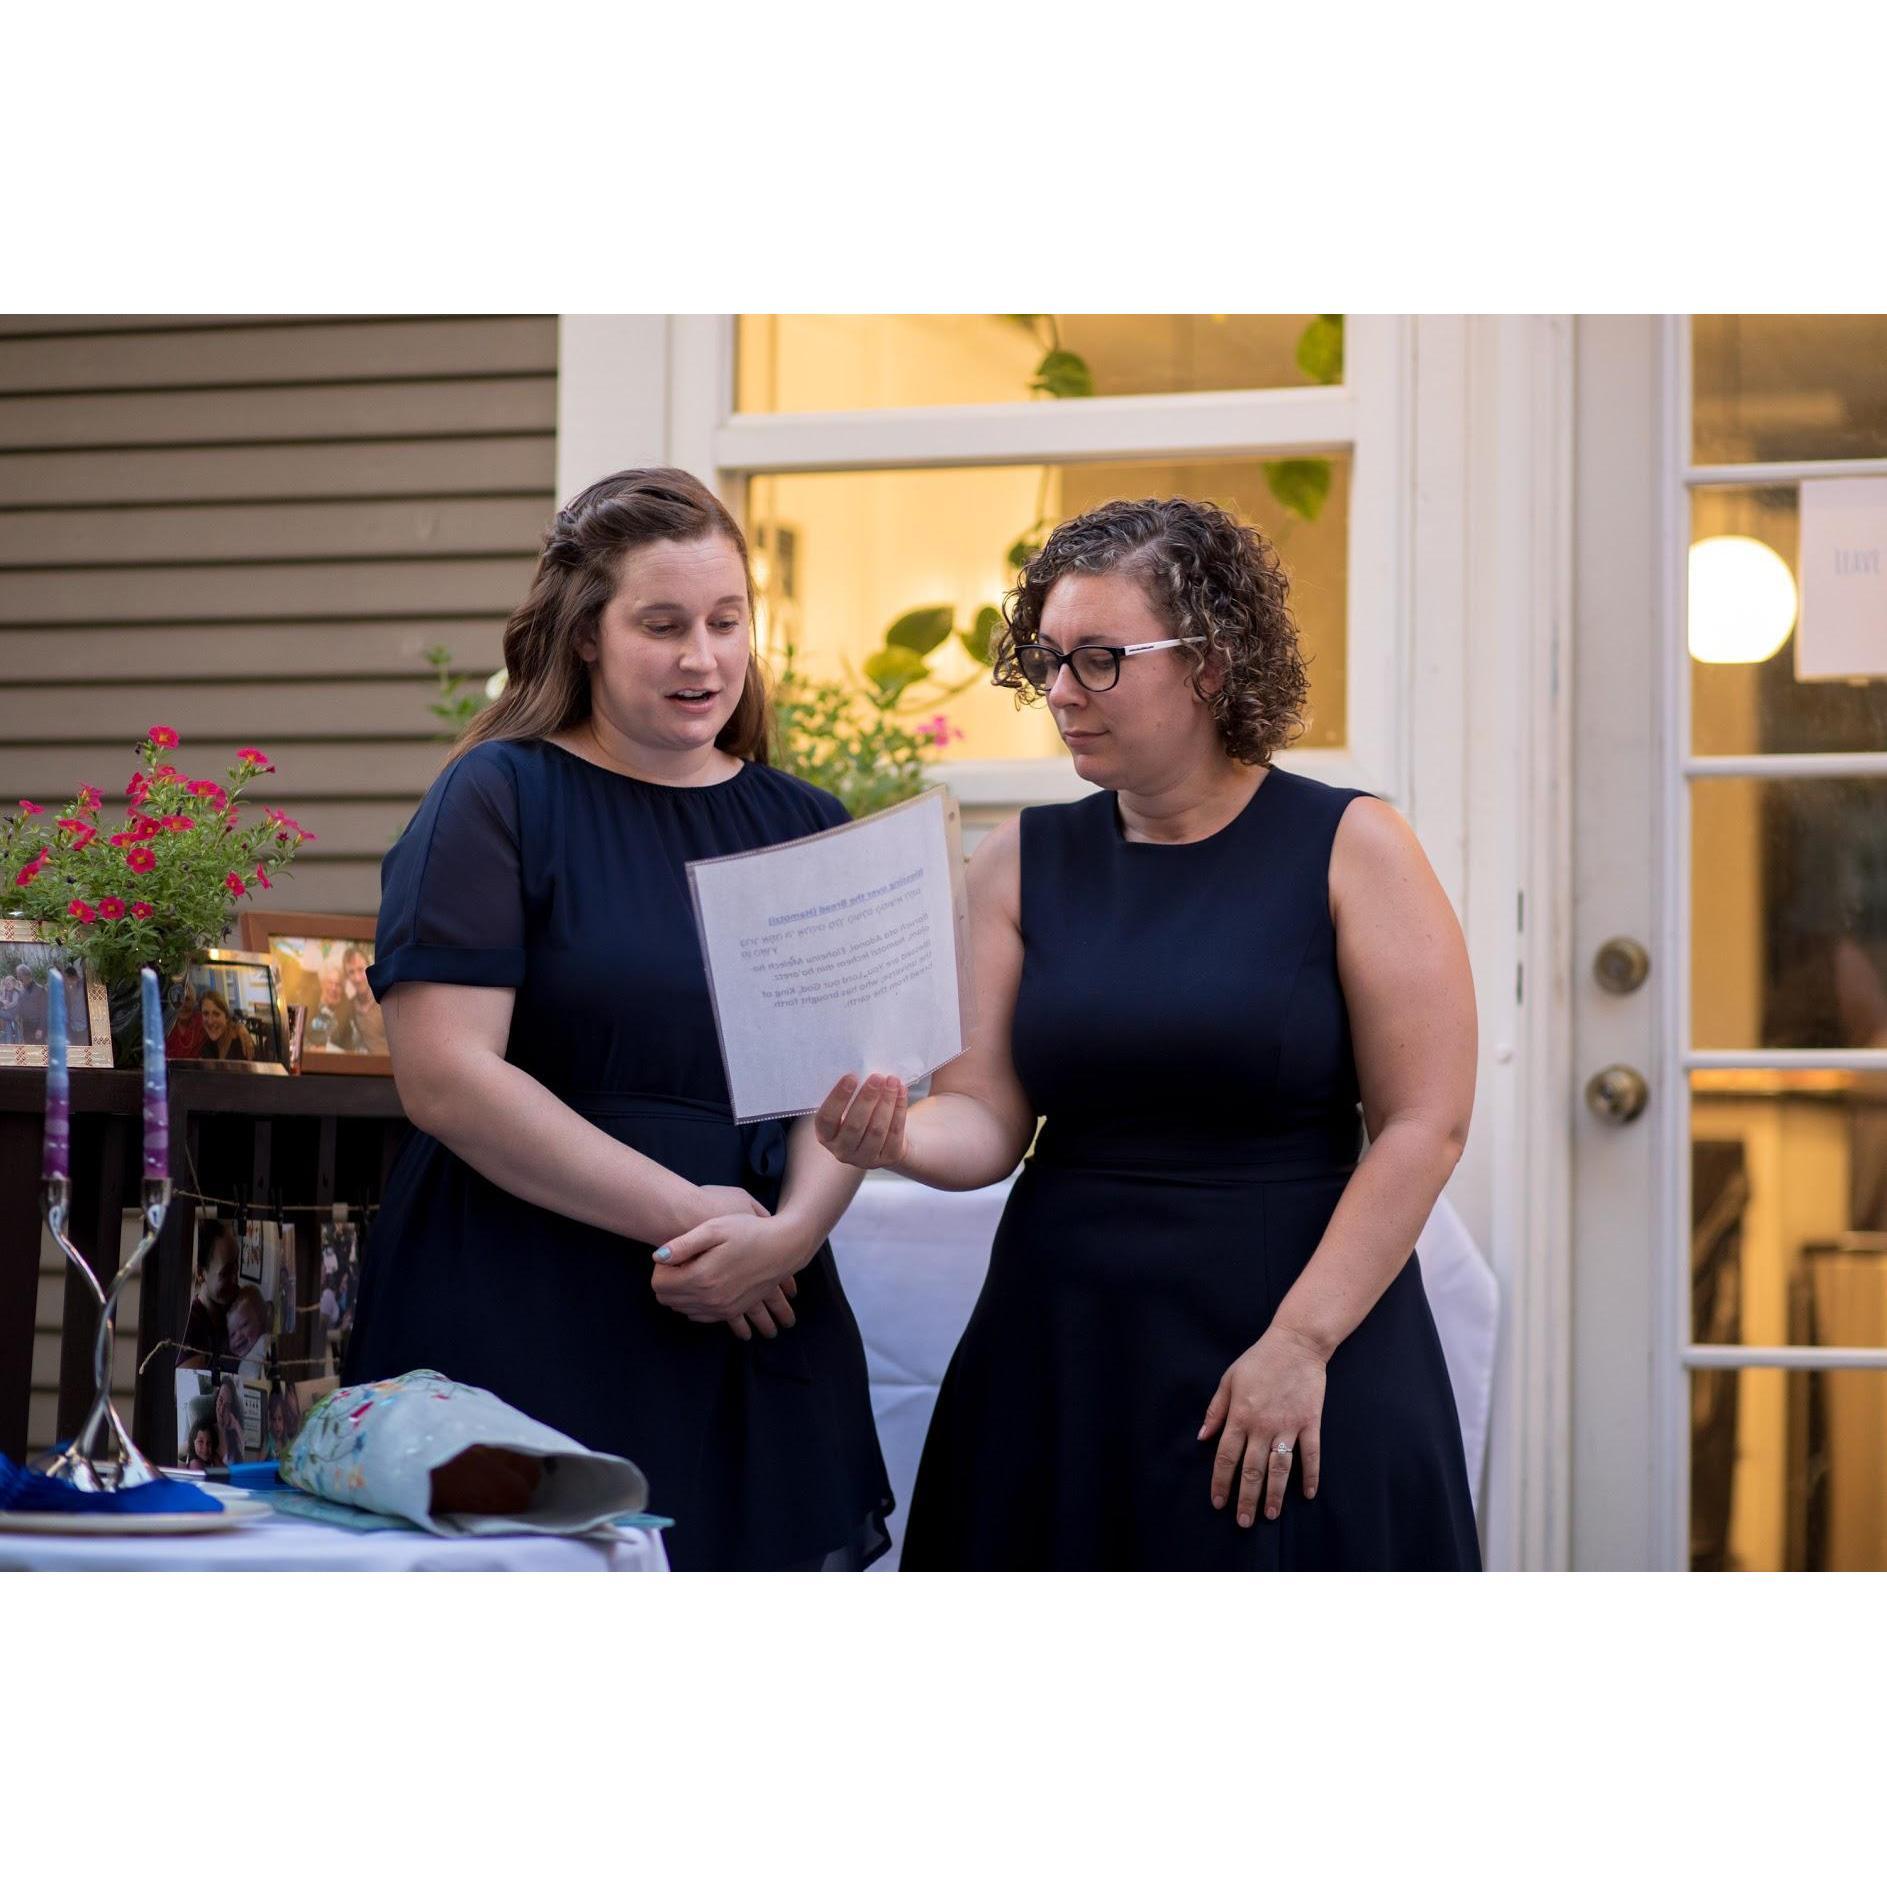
(1203, 1340)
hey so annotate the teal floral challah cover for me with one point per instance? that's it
(377, 1446)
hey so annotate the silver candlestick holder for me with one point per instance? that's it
(102, 1458)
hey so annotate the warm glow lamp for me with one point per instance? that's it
(1742, 600)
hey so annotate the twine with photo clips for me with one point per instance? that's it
(278, 1371)
(276, 1210)
(311, 1367)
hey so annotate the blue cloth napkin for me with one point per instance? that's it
(25, 1490)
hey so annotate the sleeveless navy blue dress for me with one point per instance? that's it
(1181, 1026)
(530, 869)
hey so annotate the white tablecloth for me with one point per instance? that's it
(278, 1543)
(913, 1262)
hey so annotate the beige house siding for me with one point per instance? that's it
(250, 529)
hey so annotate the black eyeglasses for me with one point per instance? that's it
(1096, 664)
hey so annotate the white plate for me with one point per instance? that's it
(218, 1522)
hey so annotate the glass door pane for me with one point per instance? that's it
(1789, 1207)
(1772, 388)
(1788, 1470)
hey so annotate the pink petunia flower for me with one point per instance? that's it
(141, 859)
(33, 867)
(82, 911)
(167, 772)
(255, 757)
(82, 830)
(176, 822)
(141, 909)
(262, 878)
(163, 737)
(30, 807)
(90, 798)
(111, 907)
(235, 884)
(939, 730)
(137, 789)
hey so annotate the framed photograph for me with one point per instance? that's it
(228, 1015)
(322, 964)
(27, 959)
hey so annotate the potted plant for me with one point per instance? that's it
(156, 888)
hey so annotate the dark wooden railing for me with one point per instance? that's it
(308, 1141)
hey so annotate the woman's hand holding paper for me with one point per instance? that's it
(863, 1123)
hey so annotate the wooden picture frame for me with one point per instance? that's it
(35, 946)
(306, 947)
(231, 974)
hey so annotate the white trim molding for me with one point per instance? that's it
(612, 397)
(1513, 503)
(1178, 425)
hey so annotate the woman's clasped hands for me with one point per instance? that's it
(735, 1268)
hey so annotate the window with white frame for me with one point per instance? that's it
(893, 469)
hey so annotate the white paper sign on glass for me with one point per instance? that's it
(844, 953)
(1843, 629)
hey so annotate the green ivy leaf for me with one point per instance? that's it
(1063, 376)
(979, 639)
(1320, 350)
(1025, 546)
(892, 670)
(1299, 485)
(921, 630)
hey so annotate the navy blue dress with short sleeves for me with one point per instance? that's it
(530, 869)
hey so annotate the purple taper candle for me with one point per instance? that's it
(58, 1161)
(156, 1097)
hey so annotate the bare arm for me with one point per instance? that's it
(1404, 968)
(976, 1123)
(817, 1190)
(448, 1041)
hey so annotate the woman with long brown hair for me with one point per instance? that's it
(224, 1037)
(548, 1016)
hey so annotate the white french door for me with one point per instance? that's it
(1730, 1217)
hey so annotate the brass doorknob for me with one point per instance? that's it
(1621, 965)
(1617, 1093)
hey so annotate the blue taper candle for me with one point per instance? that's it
(156, 1094)
(58, 1161)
